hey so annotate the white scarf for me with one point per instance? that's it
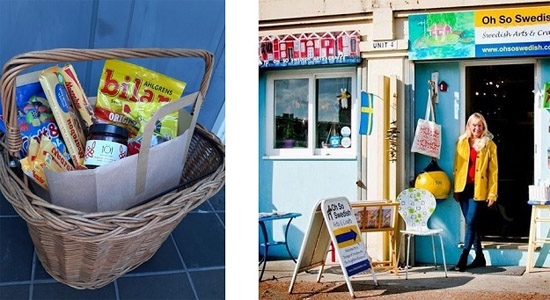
(481, 142)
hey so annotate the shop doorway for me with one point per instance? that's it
(504, 95)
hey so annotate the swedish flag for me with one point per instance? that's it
(366, 113)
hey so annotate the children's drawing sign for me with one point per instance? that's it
(332, 219)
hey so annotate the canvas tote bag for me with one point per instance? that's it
(427, 137)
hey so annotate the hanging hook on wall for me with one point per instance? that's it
(432, 95)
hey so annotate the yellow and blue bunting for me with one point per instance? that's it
(367, 111)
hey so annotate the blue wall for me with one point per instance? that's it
(30, 25)
(297, 185)
(447, 213)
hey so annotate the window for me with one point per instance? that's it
(311, 113)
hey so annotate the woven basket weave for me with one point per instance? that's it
(89, 251)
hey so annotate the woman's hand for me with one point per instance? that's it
(490, 203)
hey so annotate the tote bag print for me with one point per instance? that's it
(427, 137)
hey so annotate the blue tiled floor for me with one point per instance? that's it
(189, 265)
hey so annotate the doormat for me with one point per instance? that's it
(498, 270)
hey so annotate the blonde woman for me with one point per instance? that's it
(475, 175)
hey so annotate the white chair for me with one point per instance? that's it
(415, 207)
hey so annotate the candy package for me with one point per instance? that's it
(77, 95)
(43, 155)
(128, 95)
(53, 83)
(34, 115)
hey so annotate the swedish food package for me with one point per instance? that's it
(77, 95)
(128, 95)
(34, 115)
(53, 83)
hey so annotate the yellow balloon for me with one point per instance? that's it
(436, 182)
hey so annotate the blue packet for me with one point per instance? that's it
(34, 115)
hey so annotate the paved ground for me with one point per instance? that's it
(177, 271)
(424, 282)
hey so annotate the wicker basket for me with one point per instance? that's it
(89, 251)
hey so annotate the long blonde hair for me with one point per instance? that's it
(482, 141)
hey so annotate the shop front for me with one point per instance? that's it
(308, 124)
(495, 62)
(315, 65)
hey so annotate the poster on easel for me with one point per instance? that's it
(332, 219)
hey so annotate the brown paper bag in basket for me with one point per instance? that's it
(124, 183)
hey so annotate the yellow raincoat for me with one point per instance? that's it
(486, 176)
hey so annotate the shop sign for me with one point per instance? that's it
(383, 45)
(333, 220)
(317, 48)
(346, 237)
(478, 34)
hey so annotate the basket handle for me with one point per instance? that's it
(23, 61)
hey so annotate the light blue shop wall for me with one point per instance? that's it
(297, 185)
(30, 25)
(447, 214)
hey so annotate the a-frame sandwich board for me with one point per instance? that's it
(332, 219)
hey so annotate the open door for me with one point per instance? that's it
(504, 95)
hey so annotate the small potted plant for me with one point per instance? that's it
(289, 136)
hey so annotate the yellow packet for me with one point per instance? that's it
(47, 155)
(27, 164)
(33, 149)
(34, 172)
(51, 158)
(128, 95)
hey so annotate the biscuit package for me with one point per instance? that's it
(52, 82)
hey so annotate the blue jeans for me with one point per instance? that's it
(471, 210)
